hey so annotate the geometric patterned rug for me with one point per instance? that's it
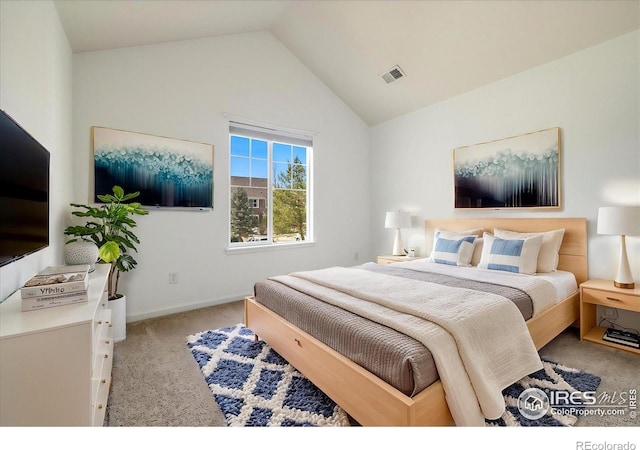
(553, 377)
(256, 387)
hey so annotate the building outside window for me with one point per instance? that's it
(270, 201)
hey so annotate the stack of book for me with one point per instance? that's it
(56, 286)
(622, 337)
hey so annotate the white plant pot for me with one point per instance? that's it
(118, 309)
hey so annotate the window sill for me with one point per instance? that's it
(268, 248)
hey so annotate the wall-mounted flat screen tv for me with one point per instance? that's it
(24, 192)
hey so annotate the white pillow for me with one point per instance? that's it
(551, 241)
(510, 255)
(474, 231)
(477, 252)
(452, 248)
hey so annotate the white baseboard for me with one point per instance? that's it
(183, 308)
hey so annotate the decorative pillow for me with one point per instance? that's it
(551, 241)
(510, 255)
(451, 234)
(477, 252)
(452, 248)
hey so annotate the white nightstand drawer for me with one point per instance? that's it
(391, 259)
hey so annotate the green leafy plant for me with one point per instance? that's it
(110, 226)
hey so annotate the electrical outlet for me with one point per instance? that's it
(173, 278)
(609, 313)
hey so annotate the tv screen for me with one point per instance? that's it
(24, 192)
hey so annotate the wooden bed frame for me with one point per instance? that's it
(370, 400)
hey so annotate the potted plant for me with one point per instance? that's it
(109, 226)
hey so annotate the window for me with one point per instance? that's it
(269, 186)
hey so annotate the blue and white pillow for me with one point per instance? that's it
(510, 255)
(551, 241)
(452, 249)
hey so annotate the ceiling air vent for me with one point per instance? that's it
(392, 75)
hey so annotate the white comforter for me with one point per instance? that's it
(479, 341)
(543, 293)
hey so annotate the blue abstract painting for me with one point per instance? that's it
(518, 172)
(167, 172)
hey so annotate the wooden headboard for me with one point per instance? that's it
(573, 251)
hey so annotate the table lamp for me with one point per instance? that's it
(621, 221)
(397, 220)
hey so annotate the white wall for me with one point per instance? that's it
(35, 89)
(593, 96)
(182, 90)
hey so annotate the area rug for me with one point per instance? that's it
(254, 386)
(551, 379)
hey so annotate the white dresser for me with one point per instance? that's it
(55, 363)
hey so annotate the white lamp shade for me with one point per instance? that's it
(619, 220)
(397, 220)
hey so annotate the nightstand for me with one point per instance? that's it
(390, 259)
(604, 293)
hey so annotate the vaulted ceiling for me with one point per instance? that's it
(445, 48)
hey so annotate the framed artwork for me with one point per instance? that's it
(517, 172)
(168, 173)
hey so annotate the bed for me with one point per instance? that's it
(372, 399)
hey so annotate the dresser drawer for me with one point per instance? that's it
(102, 373)
(103, 343)
(101, 369)
(101, 327)
(612, 299)
(99, 406)
(99, 319)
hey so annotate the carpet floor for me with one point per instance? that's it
(157, 382)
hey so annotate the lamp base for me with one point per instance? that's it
(623, 278)
(624, 285)
(398, 246)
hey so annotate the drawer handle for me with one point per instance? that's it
(99, 322)
(106, 342)
(100, 406)
(298, 342)
(613, 299)
(103, 381)
(110, 325)
(106, 356)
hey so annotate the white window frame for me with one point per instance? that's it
(273, 134)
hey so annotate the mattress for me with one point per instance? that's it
(396, 358)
